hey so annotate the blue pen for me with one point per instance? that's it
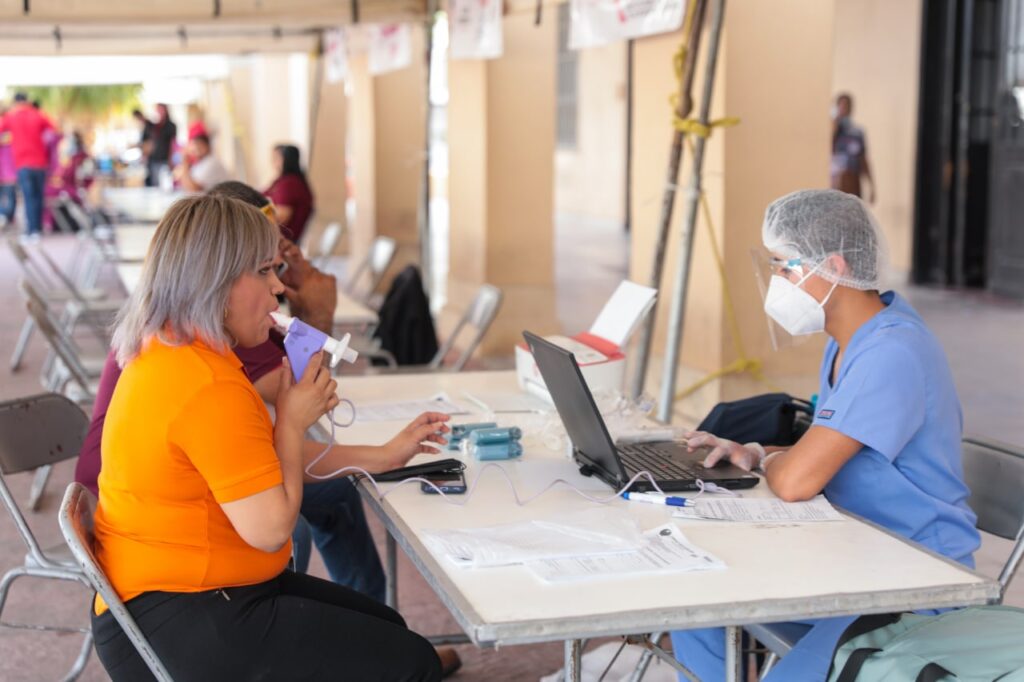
(655, 498)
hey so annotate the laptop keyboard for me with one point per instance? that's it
(641, 457)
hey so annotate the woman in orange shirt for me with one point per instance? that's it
(199, 491)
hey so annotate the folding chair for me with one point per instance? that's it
(76, 523)
(477, 317)
(329, 239)
(71, 365)
(371, 268)
(994, 473)
(87, 303)
(35, 432)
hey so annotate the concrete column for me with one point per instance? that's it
(326, 162)
(389, 124)
(502, 141)
(775, 73)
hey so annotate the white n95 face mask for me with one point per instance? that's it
(794, 309)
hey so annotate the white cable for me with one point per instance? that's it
(702, 486)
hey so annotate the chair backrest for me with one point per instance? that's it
(478, 316)
(374, 265)
(29, 267)
(36, 431)
(61, 344)
(76, 524)
(329, 239)
(994, 472)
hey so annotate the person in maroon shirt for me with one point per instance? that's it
(291, 194)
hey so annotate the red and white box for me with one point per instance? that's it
(599, 351)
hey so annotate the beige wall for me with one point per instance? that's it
(270, 103)
(327, 162)
(387, 137)
(877, 58)
(590, 179)
(501, 137)
(775, 71)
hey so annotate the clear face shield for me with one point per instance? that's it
(767, 264)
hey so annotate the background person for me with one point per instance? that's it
(8, 177)
(885, 440)
(290, 192)
(200, 170)
(849, 151)
(162, 134)
(28, 128)
(195, 535)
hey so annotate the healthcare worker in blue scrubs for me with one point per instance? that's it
(885, 440)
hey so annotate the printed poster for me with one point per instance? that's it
(600, 22)
(390, 48)
(475, 29)
(335, 56)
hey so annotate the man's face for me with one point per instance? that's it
(844, 107)
(197, 149)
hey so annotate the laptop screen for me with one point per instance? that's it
(575, 405)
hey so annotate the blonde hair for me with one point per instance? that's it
(203, 244)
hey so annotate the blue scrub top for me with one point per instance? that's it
(895, 394)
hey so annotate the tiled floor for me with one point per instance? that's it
(983, 337)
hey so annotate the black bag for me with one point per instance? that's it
(406, 328)
(769, 419)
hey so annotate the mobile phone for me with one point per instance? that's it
(450, 483)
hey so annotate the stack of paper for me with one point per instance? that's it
(754, 510)
(594, 532)
(665, 550)
(406, 410)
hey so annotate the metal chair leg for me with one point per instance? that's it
(769, 662)
(5, 585)
(23, 339)
(35, 495)
(391, 560)
(83, 659)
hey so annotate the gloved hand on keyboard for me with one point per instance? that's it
(747, 456)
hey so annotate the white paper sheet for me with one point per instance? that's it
(407, 410)
(665, 550)
(588, 533)
(506, 402)
(755, 510)
(623, 312)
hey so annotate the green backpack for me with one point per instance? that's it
(978, 643)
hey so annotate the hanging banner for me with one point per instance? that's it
(600, 22)
(390, 48)
(476, 29)
(335, 55)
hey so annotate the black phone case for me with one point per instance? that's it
(440, 466)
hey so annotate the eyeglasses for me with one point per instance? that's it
(786, 266)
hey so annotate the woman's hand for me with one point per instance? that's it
(300, 404)
(746, 457)
(415, 439)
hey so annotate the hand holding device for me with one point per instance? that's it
(301, 403)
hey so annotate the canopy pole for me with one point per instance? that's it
(675, 330)
(668, 196)
(426, 260)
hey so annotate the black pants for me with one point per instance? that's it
(294, 627)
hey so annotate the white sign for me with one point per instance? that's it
(476, 29)
(599, 22)
(390, 48)
(335, 55)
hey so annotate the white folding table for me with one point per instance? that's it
(775, 573)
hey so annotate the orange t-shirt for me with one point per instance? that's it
(185, 432)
